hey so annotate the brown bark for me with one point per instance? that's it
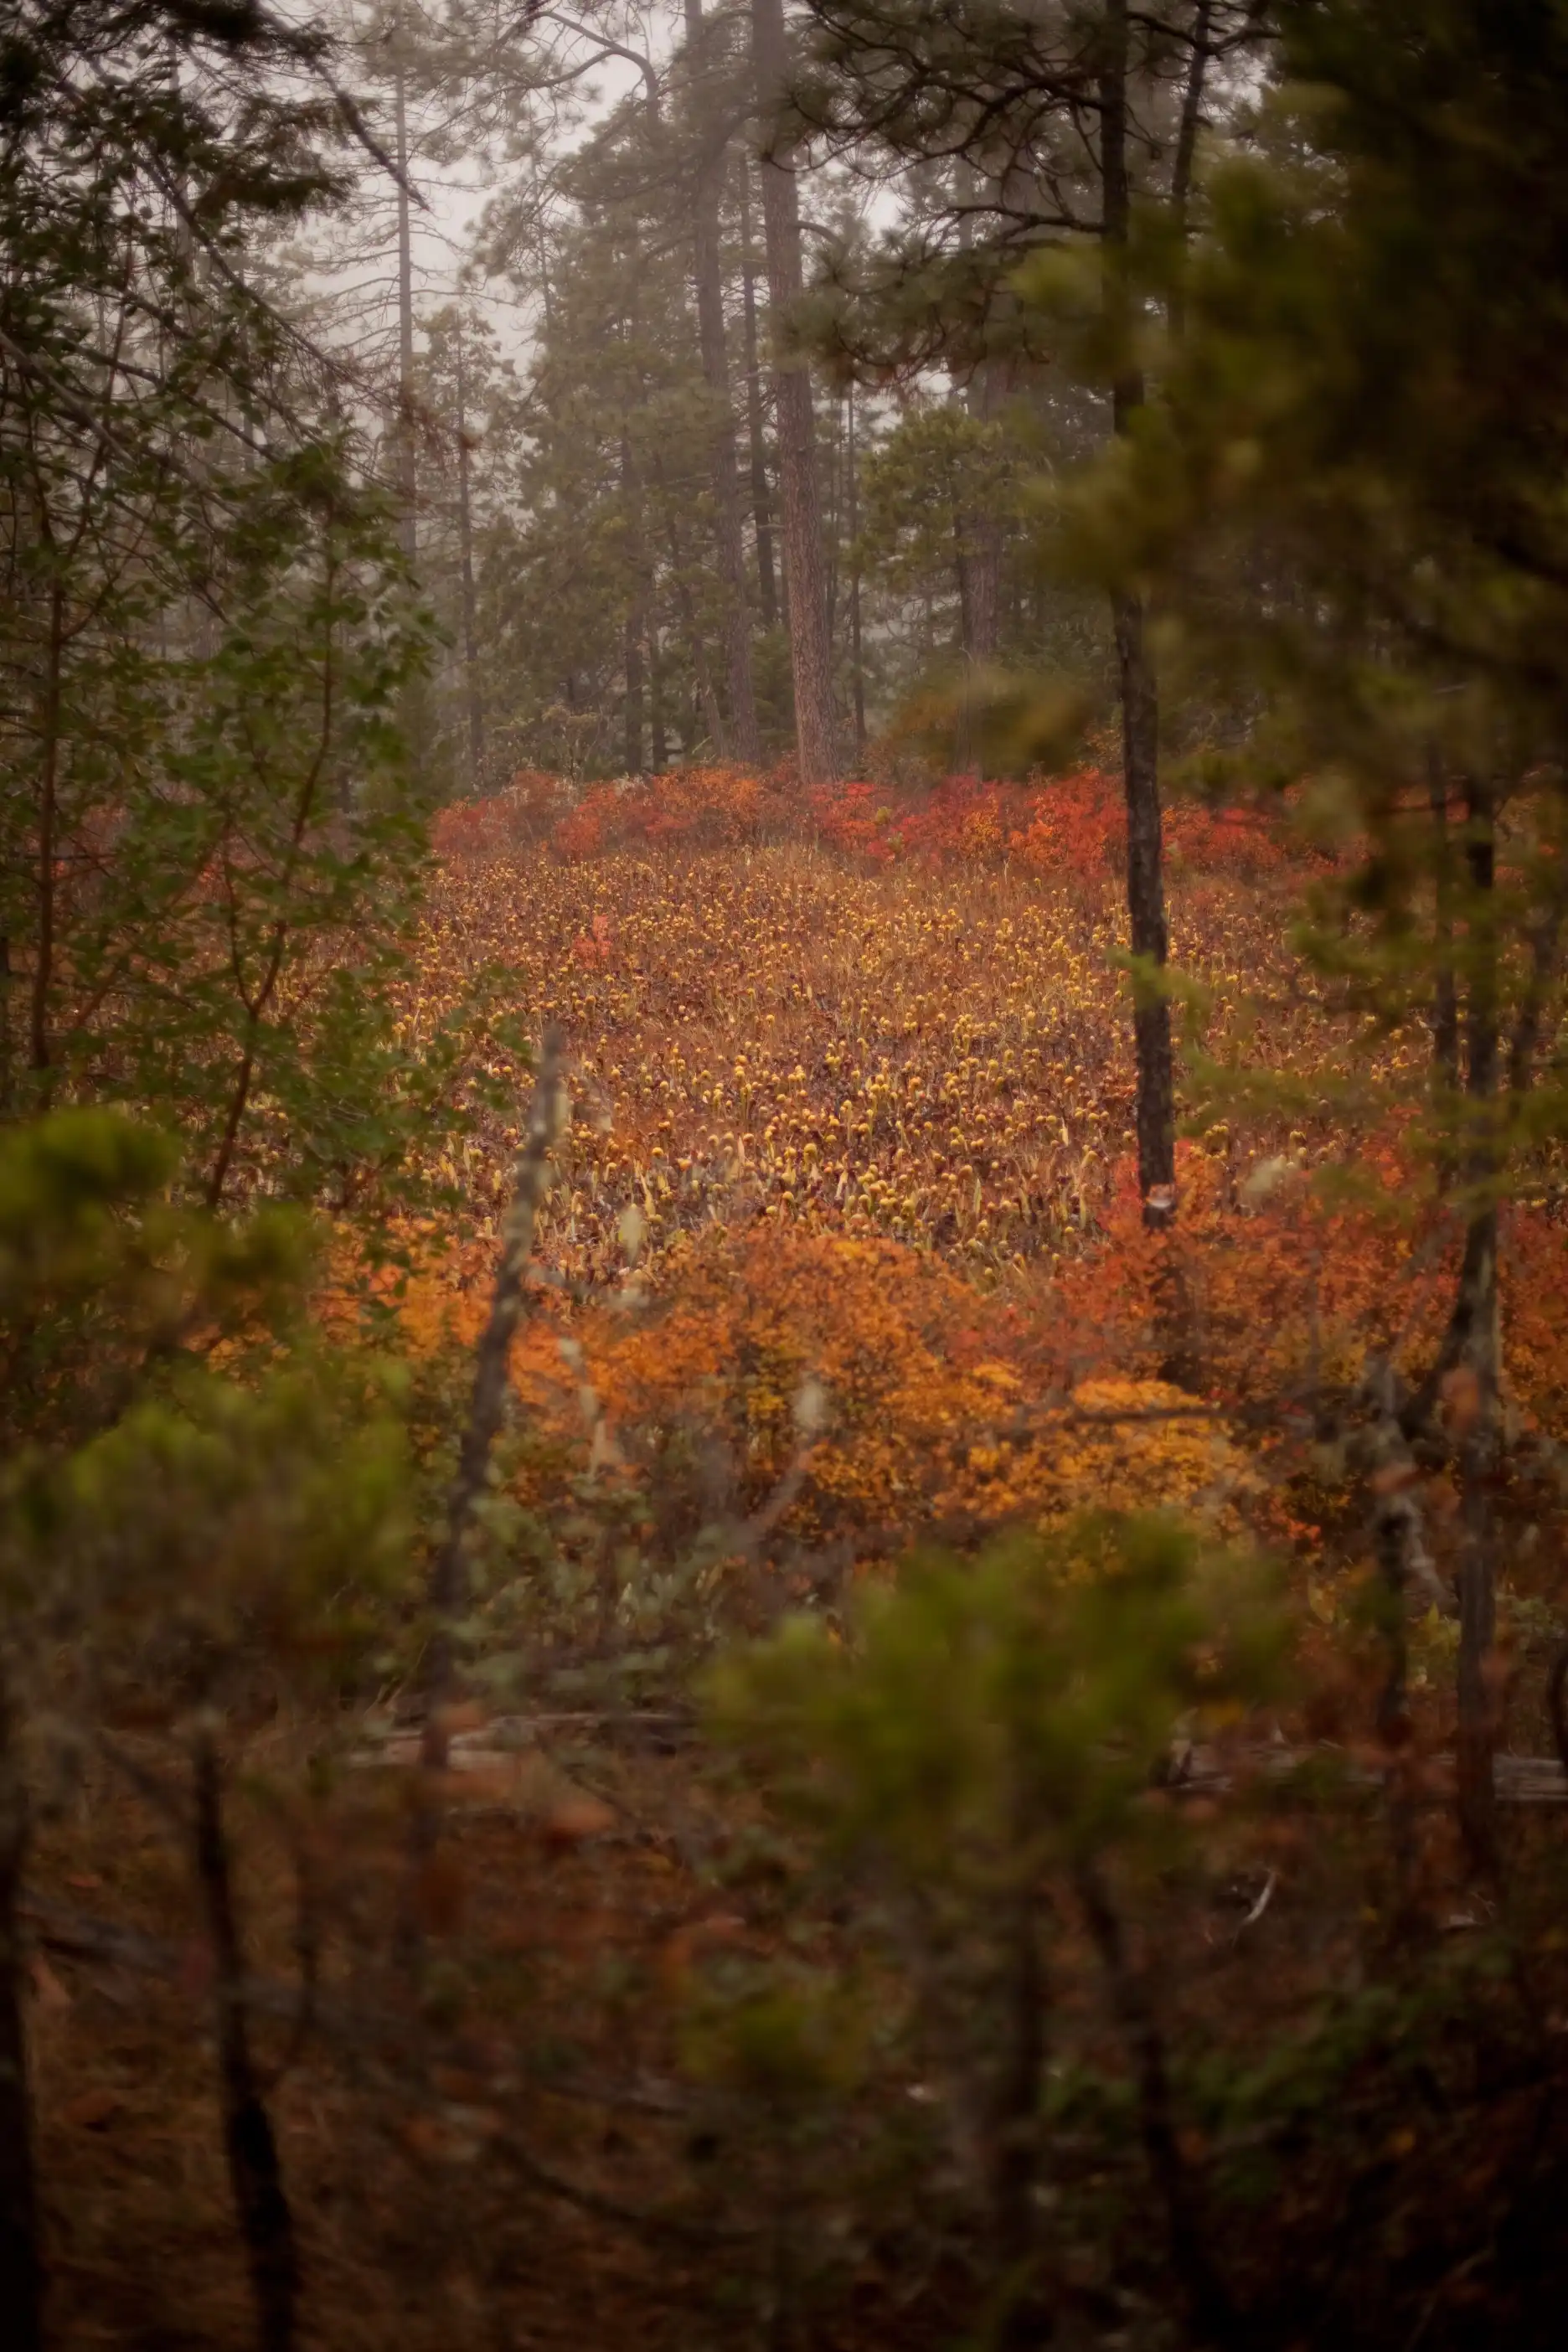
(702, 675)
(635, 695)
(710, 286)
(810, 661)
(1479, 1406)
(762, 497)
(450, 1583)
(636, 617)
(1187, 147)
(407, 485)
(659, 746)
(21, 2267)
(988, 388)
(5, 1046)
(1209, 2308)
(450, 1577)
(267, 2225)
(473, 689)
(1140, 708)
(1445, 988)
(1192, 115)
(49, 816)
(990, 382)
(1014, 2132)
(857, 667)
(258, 1003)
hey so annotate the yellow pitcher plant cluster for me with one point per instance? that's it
(939, 1058)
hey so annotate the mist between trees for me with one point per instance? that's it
(783, 1335)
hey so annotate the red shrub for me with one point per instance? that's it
(1073, 825)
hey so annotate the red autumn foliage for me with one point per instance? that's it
(1073, 825)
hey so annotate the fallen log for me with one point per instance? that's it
(499, 1746)
(1202, 1770)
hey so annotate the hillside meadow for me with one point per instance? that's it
(856, 1122)
(739, 1976)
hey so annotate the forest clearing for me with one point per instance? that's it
(871, 1129)
(784, 1175)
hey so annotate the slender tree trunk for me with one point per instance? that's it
(1140, 708)
(659, 746)
(762, 499)
(1477, 1404)
(267, 2225)
(1187, 146)
(52, 729)
(1209, 2308)
(415, 712)
(857, 667)
(988, 389)
(1014, 2121)
(712, 717)
(964, 745)
(833, 520)
(21, 2264)
(408, 481)
(811, 660)
(963, 578)
(990, 382)
(710, 285)
(1445, 988)
(1192, 115)
(450, 1575)
(7, 1050)
(635, 693)
(635, 616)
(472, 685)
(984, 563)
(702, 672)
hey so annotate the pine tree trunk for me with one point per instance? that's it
(636, 616)
(407, 482)
(415, 715)
(988, 388)
(710, 284)
(21, 2268)
(762, 499)
(473, 690)
(857, 667)
(1209, 2310)
(810, 651)
(1444, 986)
(635, 689)
(261, 2203)
(658, 747)
(5, 1046)
(1140, 708)
(1192, 115)
(712, 717)
(989, 385)
(1477, 1402)
(52, 729)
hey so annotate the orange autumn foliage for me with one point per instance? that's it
(871, 1124)
(875, 1376)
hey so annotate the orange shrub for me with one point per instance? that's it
(716, 807)
(875, 1379)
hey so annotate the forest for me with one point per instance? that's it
(784, 1175)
